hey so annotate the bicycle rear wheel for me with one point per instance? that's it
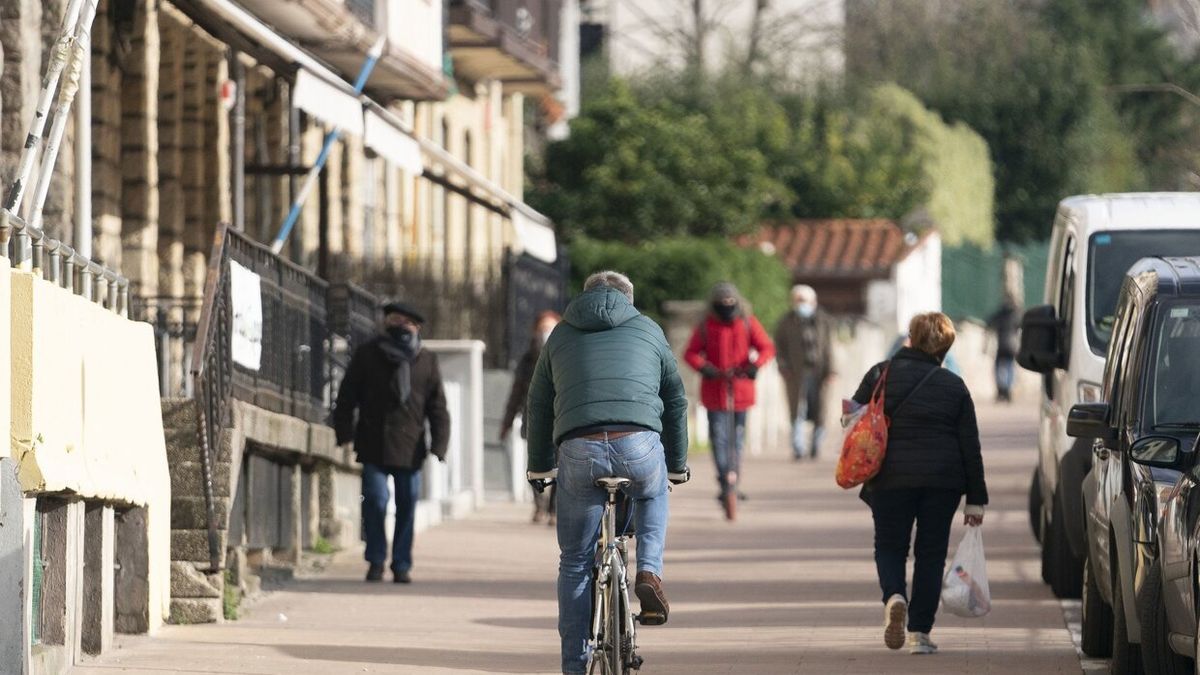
(616, 638)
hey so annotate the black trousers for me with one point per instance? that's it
(894, 512)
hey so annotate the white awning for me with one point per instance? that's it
(328, 103)
(391, 142)
(534, 234)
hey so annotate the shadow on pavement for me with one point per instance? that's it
(525, 662)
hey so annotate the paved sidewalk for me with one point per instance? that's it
(790, 588)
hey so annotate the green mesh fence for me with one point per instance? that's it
(972, 281)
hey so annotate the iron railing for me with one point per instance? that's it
(212, 366)
(307, 333)
(531, 287)
(60, 264)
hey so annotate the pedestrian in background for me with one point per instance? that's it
(933, 458)
(543, 325)
(802, 344)
(1006, 324)
(727, 348)
(395, 386)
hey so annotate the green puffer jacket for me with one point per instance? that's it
(605, 364)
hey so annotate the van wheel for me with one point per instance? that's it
(1097, 632)
(1035, 504)
(1126, 657)
(1157, 655)
(1066, 569)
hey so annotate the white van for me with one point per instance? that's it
(1096, 238)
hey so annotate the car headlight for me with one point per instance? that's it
(1089, 392)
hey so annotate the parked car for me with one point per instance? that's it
(1135, 604)
(1094, 239)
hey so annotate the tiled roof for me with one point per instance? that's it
(852, 248)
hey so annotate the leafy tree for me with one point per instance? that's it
(631, 171)
(1035, 79)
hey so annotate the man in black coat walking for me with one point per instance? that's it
(395, 386)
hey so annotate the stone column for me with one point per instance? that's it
(132, 556)
(171, 193)
(20, 79)
(60, 200)
(106, 139)
(139, 152)
(354, 224)
(97, 610)
(193, 136)
(308, 229)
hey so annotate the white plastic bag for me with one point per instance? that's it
(965, 586)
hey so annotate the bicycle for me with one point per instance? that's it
(613, 636)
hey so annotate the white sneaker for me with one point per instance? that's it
(919, 643)
(895, 615)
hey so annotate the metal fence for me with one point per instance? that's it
(973, 278)
(294, 373)
(493, 303)
(531, 287)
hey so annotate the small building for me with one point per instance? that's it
(867, 268)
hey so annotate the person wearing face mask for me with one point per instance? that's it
(933, 459)
(728, 348)
(802, 343)
(543, 325)
(395, 386)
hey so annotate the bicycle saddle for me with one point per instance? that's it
(612, 483)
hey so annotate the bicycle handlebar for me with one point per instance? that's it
(540, 480)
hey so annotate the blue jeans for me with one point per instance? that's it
(727, 455)
(1004, 377)
(810, 391)
(374, 510)
(894, 512)
(639, 457)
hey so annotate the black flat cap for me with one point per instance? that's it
(406, 310)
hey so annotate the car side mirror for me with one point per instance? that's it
(1041, 340)
(1159, 451)
(1090, 420)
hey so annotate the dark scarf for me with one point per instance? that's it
(400, 347)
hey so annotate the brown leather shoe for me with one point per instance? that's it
(655, 608)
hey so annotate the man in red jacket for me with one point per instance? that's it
(728, 348)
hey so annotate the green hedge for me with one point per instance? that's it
(685, 268)
(957, 165)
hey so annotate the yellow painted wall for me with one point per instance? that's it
(5, 382)
(86, 415)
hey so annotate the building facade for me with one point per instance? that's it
(198, 124)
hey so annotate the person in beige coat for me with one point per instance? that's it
(802, 343)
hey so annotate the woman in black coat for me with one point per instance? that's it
(543, 504)
(932, 460)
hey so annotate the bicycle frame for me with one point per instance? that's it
(614, 654)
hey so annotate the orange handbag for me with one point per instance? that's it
(865, 444)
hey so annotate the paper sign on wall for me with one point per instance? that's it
(246, 297)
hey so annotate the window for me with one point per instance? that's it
(1110, 255)
(1175, 392)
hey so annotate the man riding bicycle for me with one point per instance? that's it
(607, 394)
